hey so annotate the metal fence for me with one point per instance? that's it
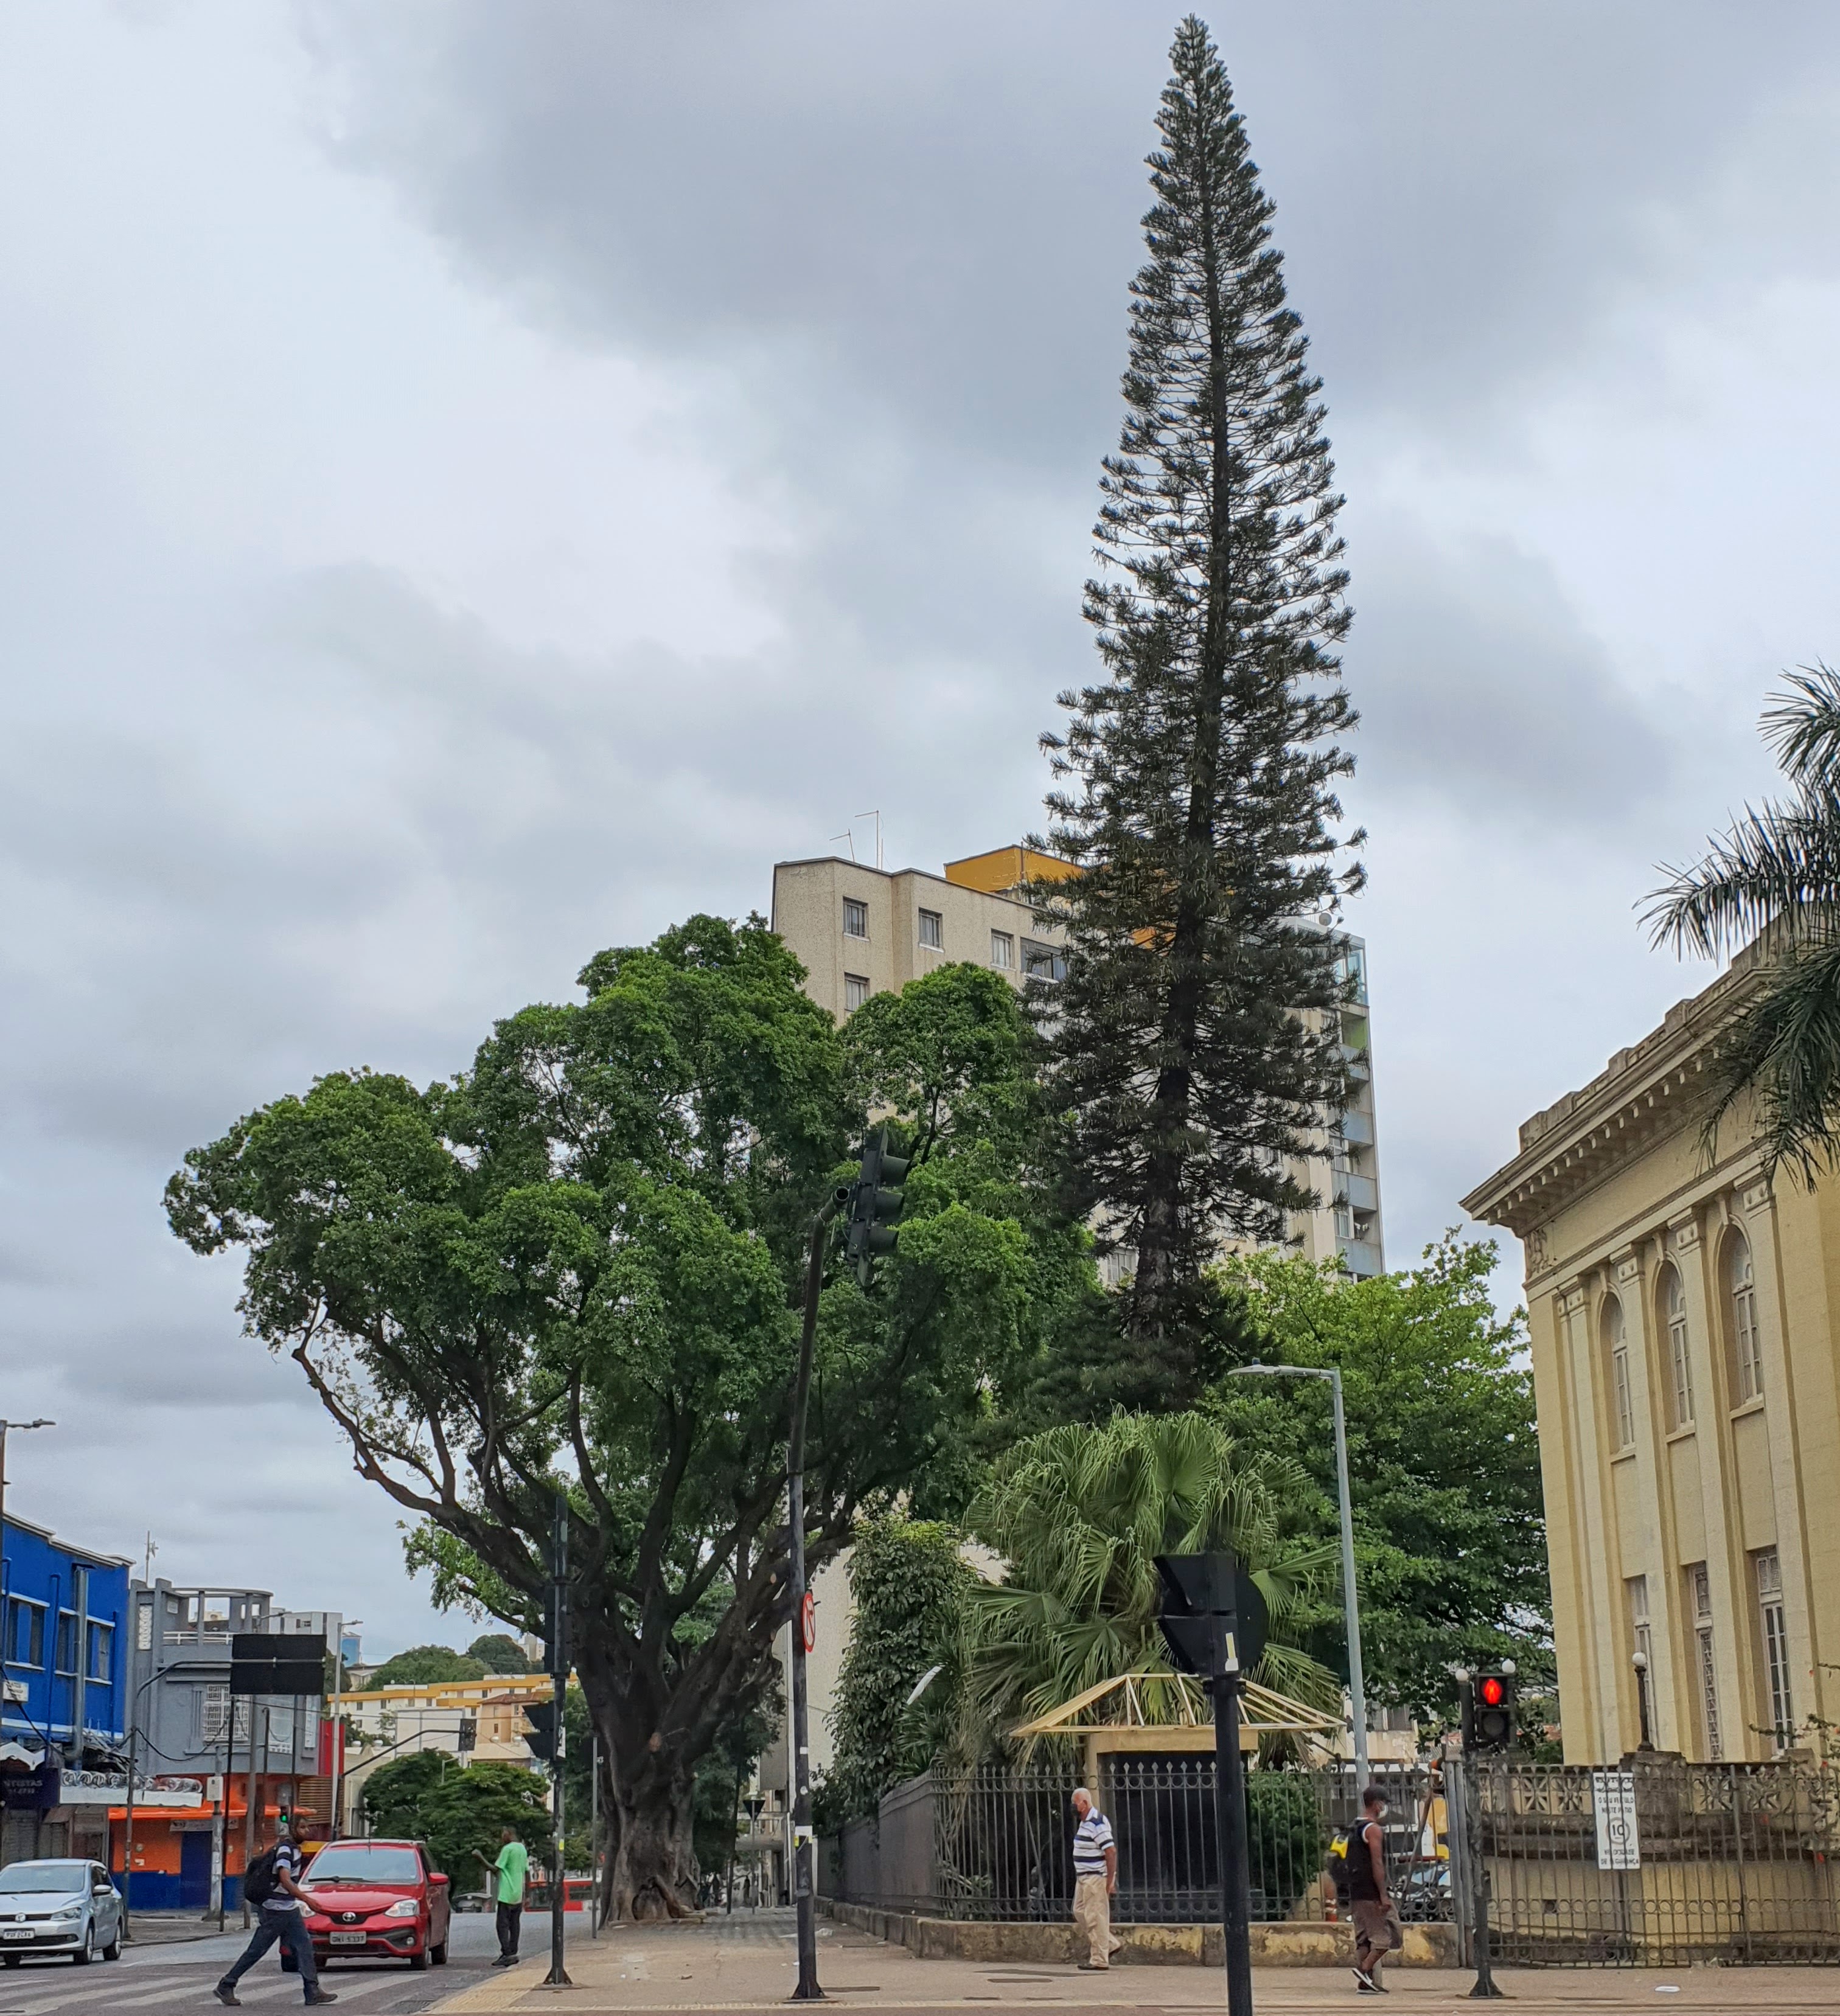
(1729, 1864)
(997, 1843)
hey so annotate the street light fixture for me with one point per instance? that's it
(1350, 1608)
(1640, 1661)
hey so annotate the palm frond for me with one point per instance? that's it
(1784, 1051)
(1804, 728)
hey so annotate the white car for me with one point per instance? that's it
(58, 1907)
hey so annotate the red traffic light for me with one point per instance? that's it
(1491, 1690)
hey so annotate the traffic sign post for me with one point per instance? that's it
(1214, 1623)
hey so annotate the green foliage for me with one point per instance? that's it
(498, 1652)
(577, 1266)
(422, 1664)
(1284, 1832)
(1775, 878)
(1443, 1459)
(1196, 780)
(911, 1590)
(428, 1797)
(1079, 1515)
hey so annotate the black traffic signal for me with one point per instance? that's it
(1211, 1607)
(541, 1735)
(875, 1203)
(1488, 1712)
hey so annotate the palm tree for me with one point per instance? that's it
(1079, 1515)
(1775, 879)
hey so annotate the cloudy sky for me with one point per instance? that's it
(479, 481)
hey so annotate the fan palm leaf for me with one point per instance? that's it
(1079, 1515)
(1774, 879)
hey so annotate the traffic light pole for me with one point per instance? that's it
(1485, 1990)
(1229, 1812)
(558, 1976)
(804, 1847)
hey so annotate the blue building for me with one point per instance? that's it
(63, 1663)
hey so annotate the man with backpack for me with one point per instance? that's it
(272, 1880)
(1377, 1924)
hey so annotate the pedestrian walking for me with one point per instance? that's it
(509, 1873)
(1094, 1878)
(1376, 1921)
(273, 1881)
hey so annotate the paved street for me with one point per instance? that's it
(180, 1977)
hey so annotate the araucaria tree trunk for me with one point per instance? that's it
(1198, 781)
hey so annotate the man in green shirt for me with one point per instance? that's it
(508, 1871)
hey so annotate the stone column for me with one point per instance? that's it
(1649, 1551)
(1705, 1346)
(1596, 1539)
(1761, 1228)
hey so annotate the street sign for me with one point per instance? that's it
(275, 1662)
(807, 1622)
(1613, 1796)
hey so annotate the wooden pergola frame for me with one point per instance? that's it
(1169, 1712)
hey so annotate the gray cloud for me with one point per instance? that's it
(479, 482)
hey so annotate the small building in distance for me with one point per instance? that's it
(1682, 1307)
(467, 1720)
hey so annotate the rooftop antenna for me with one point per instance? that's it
(147, 1572)
(877, 818)
(848, 835)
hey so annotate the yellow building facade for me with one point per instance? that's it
(1682, 1309)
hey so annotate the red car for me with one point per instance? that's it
(383, 1900)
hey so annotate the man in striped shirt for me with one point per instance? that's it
(1095, 1878)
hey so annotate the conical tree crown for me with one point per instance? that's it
(1196, 781)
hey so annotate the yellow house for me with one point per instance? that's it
(1681, 1308)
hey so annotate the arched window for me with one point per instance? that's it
(1616, 1348)
(1673, 1312)
(1746, 1348)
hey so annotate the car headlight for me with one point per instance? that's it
(404, 1907)
(69, 1914)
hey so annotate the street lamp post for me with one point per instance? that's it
(1640, 1661)
(1351, 1607)
(338, 1722)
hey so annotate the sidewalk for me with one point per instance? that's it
(166, 1928)
(750, 1964)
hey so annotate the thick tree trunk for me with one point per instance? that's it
(654, 1865)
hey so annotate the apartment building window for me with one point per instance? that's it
(1768, 1569)
(1706, 1664)
(1002, 950)
(1746, 1355)
(1635, 1587)
(66, 1641)
(101, 1648)
(1679, 1362)
(216, 1721)
(1043, 962)
(1622, 1401)
(281, 1729)
(25, 1633)
(855, 918)
(932, 930)
(855, 992)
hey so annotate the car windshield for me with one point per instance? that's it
(361, 1864)
(24, 1878)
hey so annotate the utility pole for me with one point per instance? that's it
(1351, 1606)
(6, 1428)
(804, 1901)
(558, 1976)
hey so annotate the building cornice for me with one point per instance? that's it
(1654, 1089)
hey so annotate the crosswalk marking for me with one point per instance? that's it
(197, 1989)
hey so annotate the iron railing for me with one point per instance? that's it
(1734, 1864)
(997, 1842)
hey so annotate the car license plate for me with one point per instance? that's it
(20, 1932)
(348, 1939)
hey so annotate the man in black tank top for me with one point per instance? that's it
(1376, 1927)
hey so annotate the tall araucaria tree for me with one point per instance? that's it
(576, 1267)
(1198, 779)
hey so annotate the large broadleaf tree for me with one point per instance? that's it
(573, 1267)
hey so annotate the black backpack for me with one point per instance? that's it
(258, 1879)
